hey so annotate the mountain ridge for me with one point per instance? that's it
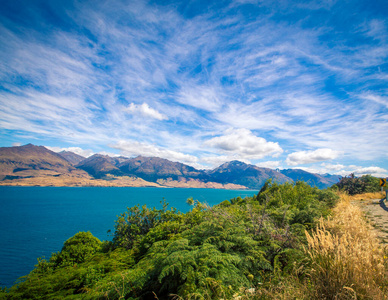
(30, 165)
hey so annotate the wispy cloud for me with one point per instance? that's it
(287, 77)
(145, 111)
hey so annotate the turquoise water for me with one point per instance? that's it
(35, 221)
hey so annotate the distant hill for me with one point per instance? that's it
(154, 168)
(36, 165)
(14, 160)
(250, 176)
(312, 179)
(99, 166)
(30, 161)
(71, 157)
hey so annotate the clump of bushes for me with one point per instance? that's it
(358, 185)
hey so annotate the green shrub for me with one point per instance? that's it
(358, 185)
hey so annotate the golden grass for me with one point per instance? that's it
(344, 260)
(366, 196)
(347, 259)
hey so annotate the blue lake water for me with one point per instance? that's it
(35, 221)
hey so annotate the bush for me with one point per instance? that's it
(358, 185)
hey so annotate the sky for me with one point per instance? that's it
(279, 84)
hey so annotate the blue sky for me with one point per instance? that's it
(280, 84)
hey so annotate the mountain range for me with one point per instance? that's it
(37, 165)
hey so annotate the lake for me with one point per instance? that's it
(35, 221)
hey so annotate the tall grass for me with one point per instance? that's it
(344, 260)
(347, 260)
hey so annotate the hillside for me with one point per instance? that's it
(99, 166)
(154, 168)
(32, 161)
(248, 175)
(71, 157)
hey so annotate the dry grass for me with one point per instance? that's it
(347, 260)
(344, 260)
(366, 196)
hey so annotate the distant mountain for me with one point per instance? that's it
(30, 157)
(312, 179)
(154, 168)
(71, 157)
(332, 178)
(36, 165)
(250, 176)
(99, 165)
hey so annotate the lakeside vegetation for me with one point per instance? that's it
(291, 241)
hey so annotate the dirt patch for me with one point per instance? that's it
(376, 211)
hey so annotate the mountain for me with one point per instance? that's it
(241, 173)
(332, 178)
(37, 165)
(15, 160)
(154, 168)
(31, 165)
(99, 165)
(71, 157)
(320, 181)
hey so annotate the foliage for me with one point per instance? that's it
(138, 222)
(206, 253)
(359, 185)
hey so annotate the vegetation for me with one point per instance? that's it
(359, 185)
(276, 245)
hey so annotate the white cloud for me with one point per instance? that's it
(16, 144)
(134, 148)
(244, 144)
(269, 164)
(307, 157)
(76, 150)
(374, 171)
(216, 161)
(145, 110)
(343, 170)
